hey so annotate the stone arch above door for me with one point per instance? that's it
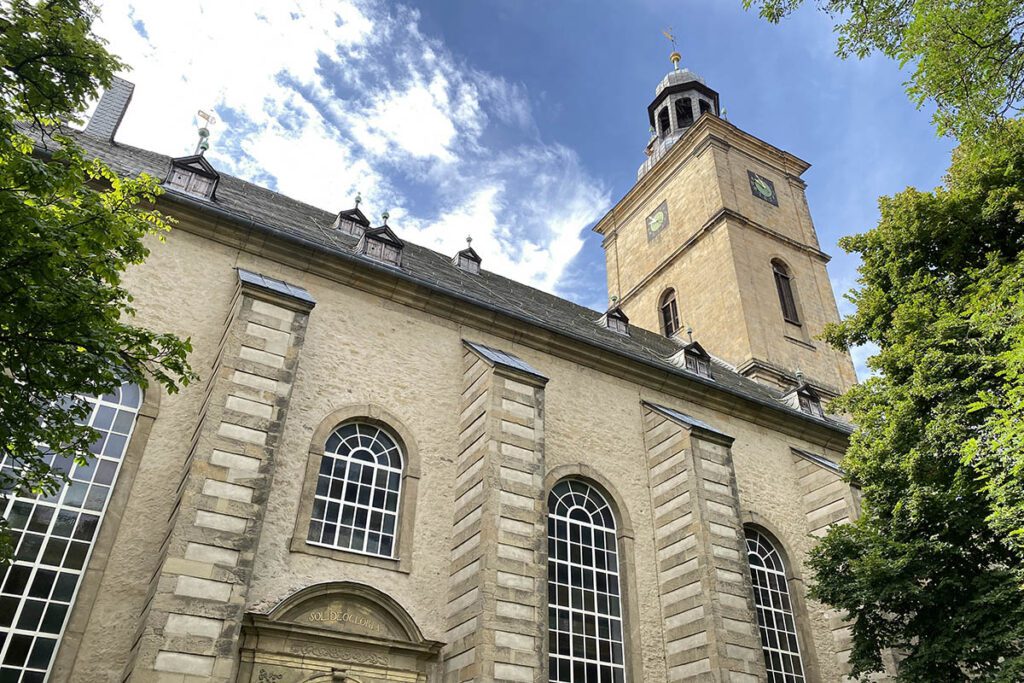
(338, 631)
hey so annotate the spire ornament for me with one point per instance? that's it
(204, 131)
(674, 57)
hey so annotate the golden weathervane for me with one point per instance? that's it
(675, 56)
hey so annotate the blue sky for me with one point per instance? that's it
(518, 122)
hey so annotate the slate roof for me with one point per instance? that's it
(275, 213)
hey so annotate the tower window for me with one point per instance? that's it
(705, 106)
(584, 594)
(775, 618)
(663, 121)
(357, 491)
(669, 313)
(684, 112)
(784, 285)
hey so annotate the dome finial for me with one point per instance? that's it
(674, 57)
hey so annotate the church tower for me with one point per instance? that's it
(716, 236)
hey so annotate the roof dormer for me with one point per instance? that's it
(381, 244)
(805, 398)
(615, 320)
(693, 358)
(467, 259)
(193, 175)
(352, 221)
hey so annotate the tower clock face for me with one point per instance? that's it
(657, 221)
(762, 188)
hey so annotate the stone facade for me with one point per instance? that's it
(716, 252)
(203, 570)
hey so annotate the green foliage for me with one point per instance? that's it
(967, 55)
(933, 567)
(70, 227)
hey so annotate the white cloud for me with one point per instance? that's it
(320, 100)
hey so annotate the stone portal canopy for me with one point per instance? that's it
(337, 631)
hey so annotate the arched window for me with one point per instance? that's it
(53, 536)
(705, 106)
(775, 618)
(669, 313)
(684, 112)
(584, 599)
(784, 286)
(357, 491)
(663, 121)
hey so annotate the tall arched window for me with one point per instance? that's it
(704, 106)
(684, 112)
(784, 286)
(775, 618)
(584, 604)
(53, 537)
(357, 491)
(663, 121)
(669, 313)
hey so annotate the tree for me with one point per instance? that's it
(933, 567)
(967, 55)
(69, 228)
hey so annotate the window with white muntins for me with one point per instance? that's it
(358, 489)
(775, 615)
(53, 537)
(584, 593)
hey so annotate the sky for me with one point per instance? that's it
(518, 122)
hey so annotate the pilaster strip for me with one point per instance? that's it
(495, 590)
(704, 585)
(190, 627)
(827, 500)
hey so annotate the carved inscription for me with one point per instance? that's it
(339, 654)
(333, 616)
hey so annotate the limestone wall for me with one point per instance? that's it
(364, 350)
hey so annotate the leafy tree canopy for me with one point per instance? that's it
(967, 55)
(69, 228)
(934, 566)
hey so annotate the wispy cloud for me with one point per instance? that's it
(321, 100)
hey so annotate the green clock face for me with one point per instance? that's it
(657, 221)
(762, 188)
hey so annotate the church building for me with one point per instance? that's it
(399, 466)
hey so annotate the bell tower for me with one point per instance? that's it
(716, 236)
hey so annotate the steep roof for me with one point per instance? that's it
(275, 213)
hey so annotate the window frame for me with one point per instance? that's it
(620, 573)
(784, 578)
(786, 292)
(668, 300)
(78, 614)
(369, 509)
(401, 561)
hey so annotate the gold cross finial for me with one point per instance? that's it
(675, 57)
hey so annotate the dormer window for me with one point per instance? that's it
(805, 398)
(381, 244)
(810, 403)
(352, 221)
(697, 360)
(616, 321)
(194, 176)
(467, 259)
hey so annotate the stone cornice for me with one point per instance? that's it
(402, 287)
